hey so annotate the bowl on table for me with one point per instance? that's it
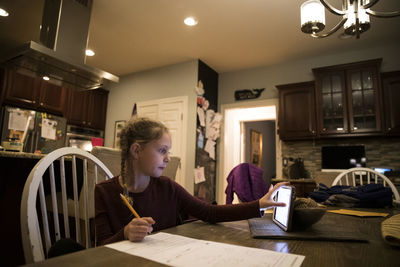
(305, 217)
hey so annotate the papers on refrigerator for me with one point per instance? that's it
(175, 250)
(49, 129)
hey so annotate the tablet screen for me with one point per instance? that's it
(281, 214)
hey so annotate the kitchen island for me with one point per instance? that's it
(15, 168)
(14, 171)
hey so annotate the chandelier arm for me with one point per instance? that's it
(380, 14)
(333, 30)
(332, 9)
(370, 4)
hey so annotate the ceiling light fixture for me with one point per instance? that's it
(355, 16)
(3, 12)
(90, 52)
(46, 78)
(190, 21)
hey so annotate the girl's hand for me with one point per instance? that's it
(266, 201)
(137, 229)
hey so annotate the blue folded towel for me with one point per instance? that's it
(370, 195)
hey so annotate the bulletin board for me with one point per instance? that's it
(207, 133)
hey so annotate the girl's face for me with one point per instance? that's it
(154, 156)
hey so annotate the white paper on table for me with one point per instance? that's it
(48, 129)
(175, 250)
(210, 148)
(200, 113)
(17, 120)
(199, 175)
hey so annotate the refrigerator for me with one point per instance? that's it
(25, 130)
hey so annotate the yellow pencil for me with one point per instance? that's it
(129, 206)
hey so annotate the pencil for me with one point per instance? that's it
(129, 206)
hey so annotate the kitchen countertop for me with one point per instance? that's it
(10, 154)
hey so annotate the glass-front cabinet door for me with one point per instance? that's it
(363, 100)
(348, 98)
(332, 98)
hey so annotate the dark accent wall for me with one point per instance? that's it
(206, 190)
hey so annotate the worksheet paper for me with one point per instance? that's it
(176, 250)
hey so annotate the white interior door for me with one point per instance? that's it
(172, 112)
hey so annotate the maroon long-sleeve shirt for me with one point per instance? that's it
(164, 200)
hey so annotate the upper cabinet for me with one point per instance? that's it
(34, 93)
(21, 90)
(348, 99)
(2, 85)
(88, 108)
(391, 97)
(296, 119)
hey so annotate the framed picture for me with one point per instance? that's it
(119, 125)
(255, 148)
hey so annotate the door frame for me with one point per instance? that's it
(230, 156)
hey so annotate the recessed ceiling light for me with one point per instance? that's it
(89, 52)
(46, 78)
(3, 13)
(190, 21)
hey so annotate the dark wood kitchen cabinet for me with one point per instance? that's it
(348, 99)
(391, 97)
(296, 118)
(34, 93)
(2, 85)
(88, 108)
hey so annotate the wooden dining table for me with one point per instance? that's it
(375, 252)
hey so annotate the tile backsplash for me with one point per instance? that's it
(379, 151)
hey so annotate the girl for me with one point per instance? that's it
(145, 146)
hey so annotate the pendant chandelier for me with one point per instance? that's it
(355, 17)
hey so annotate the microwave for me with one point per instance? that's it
(81, 137)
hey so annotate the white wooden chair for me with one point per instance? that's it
(31, 228)
(361, 176)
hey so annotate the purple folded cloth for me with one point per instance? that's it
(247, 182)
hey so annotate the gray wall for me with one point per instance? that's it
(299, 71)
(170, 81)
(267, 128)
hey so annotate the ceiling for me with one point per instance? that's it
(135, 35)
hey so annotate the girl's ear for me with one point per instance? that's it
(134, 150)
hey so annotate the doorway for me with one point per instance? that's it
(231, 149)
(259, 146)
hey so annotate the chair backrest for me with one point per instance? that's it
(33, 231)
(361, 176)
(111, 158)
(172, 167)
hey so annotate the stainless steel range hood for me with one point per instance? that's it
(60, 52)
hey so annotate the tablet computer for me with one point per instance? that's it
(282, 216)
